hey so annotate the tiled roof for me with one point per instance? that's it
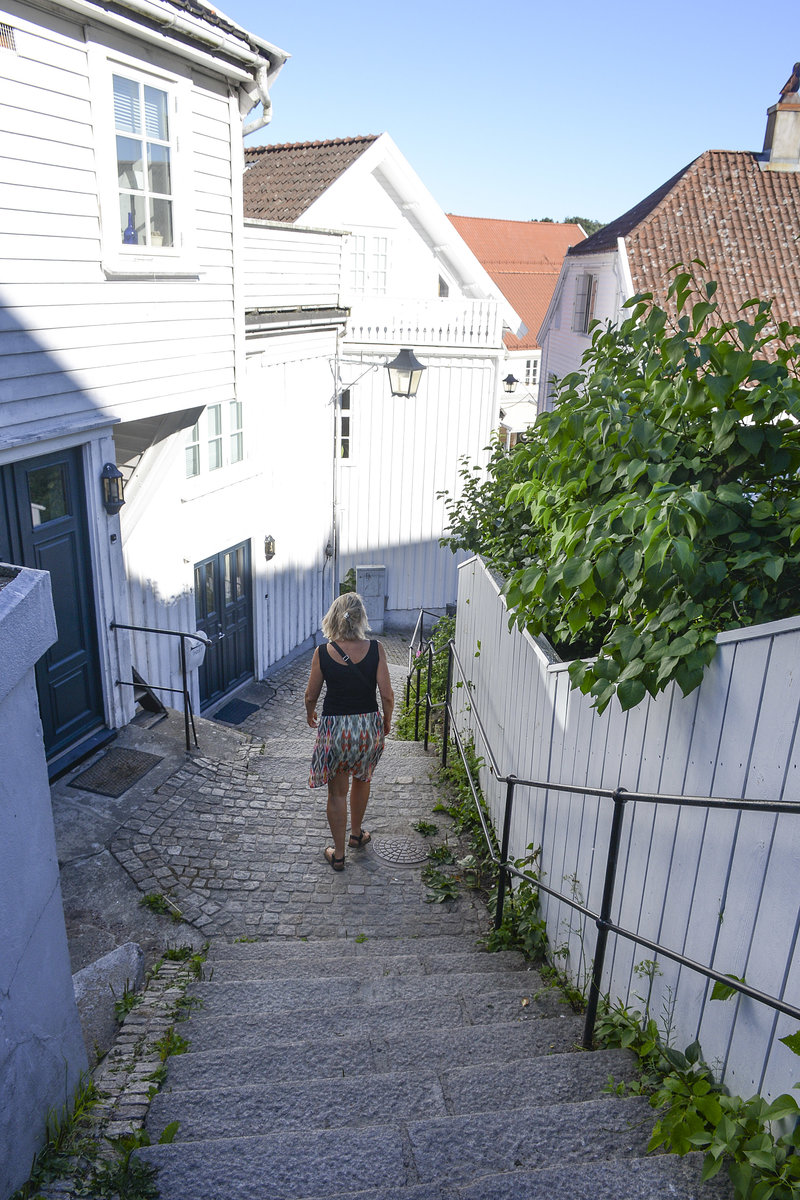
(741, 221)
(281, 182)
(523, 258)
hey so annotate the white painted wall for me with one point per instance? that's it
(83, 334)
(288, 266)
(563, 347)
(404, 452)
(41, 1047)
(719, 886)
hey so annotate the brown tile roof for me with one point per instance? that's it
(524, 259)
(741, 221)
(281, 182)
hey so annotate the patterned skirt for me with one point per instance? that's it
(353, 743)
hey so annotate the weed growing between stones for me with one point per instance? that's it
(158, 903)
(89, 1146)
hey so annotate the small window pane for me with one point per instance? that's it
(127, 112)
(161, 223)
(158, 166)
(237, 447)
(130, 171)
(214, 413)
(215, 454)
(47, 492)
(156, 114)
(211, 603)
(192, 461)
(132, 218)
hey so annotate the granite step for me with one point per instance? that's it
(316, 1056)
(317, 963)
(219, 996)
(236, 1109)
(299, 1164)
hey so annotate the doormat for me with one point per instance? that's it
(115, 772)
(235, 711)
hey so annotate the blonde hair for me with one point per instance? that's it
(346, 619)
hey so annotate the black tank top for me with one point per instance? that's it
(350, 688)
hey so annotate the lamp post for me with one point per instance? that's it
(405, 372)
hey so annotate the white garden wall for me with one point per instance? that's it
(717, 886)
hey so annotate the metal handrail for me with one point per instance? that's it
(188, 714)
(620, 797)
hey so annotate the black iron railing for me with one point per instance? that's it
(188, 714)
(619, 797)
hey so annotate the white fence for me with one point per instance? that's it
(475, 324)
(719, 886)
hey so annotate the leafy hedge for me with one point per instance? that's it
(657, 504)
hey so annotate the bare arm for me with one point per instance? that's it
(313, 689)
(385, 689)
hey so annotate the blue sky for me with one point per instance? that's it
(530, 110)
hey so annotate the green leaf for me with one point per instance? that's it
(721, 991)
(792, 1040)
(630, 692)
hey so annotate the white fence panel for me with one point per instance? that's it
(716, 885)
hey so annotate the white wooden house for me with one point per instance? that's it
(121, 321)
(736, 211)
(524, 259)
(409, 280)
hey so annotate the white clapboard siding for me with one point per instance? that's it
(288, 267)
(404, 452)
(716, 885)
(52, 276)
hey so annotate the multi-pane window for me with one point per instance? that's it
(531, 371)
(144, 143)
(345, 428)
(193, 452)
(368, 263)
(217, 440)
(585, 295)
(214, 433)
(235, 435)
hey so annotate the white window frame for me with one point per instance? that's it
(369, 252)
(585, 297)
(345, 440)
(212, 442)
(118, 259)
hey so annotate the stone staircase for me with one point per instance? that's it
(397, 1069)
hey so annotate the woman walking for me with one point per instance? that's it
(351, 731)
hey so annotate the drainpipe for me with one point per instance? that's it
(262, 95)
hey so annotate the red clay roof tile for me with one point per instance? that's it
(524, 259)
(742, 221)
(281, 182)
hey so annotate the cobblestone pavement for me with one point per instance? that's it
(236, 842)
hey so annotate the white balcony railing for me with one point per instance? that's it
(381, 320)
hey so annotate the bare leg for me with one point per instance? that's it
(337, 810)
(359, 795)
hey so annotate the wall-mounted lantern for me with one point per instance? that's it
(269, 547)
(111, 481)
(510, 383)
(405, 372)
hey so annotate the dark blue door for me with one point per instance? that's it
(43, 525)
(223, 610)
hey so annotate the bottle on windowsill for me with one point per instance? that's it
(129, 235)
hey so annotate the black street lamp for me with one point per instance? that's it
(111, 481)
(405, 372)
(510, 383)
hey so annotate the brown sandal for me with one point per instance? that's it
(330, 857)
(358, 841)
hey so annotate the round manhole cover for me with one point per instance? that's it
(402, 851)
